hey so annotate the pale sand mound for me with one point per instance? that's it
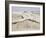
(25, 21)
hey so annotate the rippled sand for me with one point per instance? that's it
(25, 25)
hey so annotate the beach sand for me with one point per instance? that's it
(25, 25)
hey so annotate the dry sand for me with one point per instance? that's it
(25, 25)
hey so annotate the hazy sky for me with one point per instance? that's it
(28, 9)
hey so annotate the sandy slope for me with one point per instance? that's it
(25, 21)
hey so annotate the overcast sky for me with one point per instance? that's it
(28, 9)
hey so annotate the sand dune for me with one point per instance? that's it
(24, 16)
(25, 21)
